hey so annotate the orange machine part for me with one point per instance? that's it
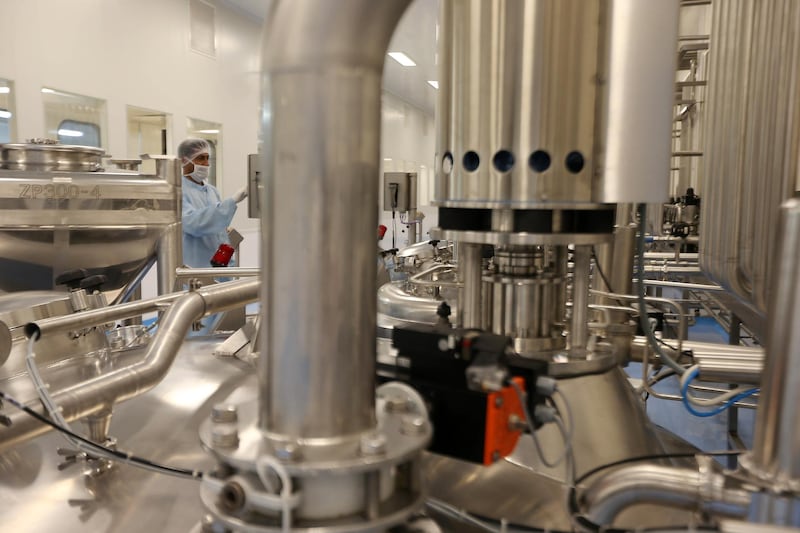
(501, 438)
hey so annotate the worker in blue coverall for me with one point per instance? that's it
(206, 217)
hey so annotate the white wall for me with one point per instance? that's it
(408, 143)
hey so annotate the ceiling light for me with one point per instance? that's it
(5, 90)
(5, 114)
(403, 59)
(47, 91)
(70, 133)
(207, 131)
(433, 83)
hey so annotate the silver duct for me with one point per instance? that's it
(322, 64)
(99, 394)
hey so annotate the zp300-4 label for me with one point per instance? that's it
(58, 191)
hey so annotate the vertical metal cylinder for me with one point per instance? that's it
(320, 159)
(414, 228)
(169, 255)
(580, 297)
(604, 258)
(621, 274)
(560, 262)
(778, 419)
(535, 103)
(470, 270)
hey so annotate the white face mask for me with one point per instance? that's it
(200, 172)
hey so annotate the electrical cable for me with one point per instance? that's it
(116, 454)
(539, 449)
(726, 399)
(81, 443)
(648, 331)
(266, 461)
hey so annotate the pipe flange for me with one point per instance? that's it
(403, 429)
(376, 475)
(394, 513)
(572, 363)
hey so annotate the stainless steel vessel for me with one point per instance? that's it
(752, 138)
(50, 156)
(62, 212)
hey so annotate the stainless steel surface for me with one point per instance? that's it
(632, 150)
(718, 362)
(524, 117)
(50, 157)
(102, 392)
(161, 425)
(520, 239)
(169, 254)
(106, 222)
(778, 422)
(578, 330)
(322, 101)
(127, 337)
(610, 425)
(519, 296)
(470, 271)
(693, 489)
(682, 285)
(68, 322)
(17, 309)
(228, 272)
(752, 135)
(395, 305)
(662, 302)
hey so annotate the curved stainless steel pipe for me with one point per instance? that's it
(323, 65)
(611, 494)
(100, 393)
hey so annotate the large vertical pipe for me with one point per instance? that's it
(777, 433)
(470, 270)
(320, 159)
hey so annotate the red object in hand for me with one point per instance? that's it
(381, 231)
(222, 256)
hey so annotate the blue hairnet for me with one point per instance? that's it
(191, 147)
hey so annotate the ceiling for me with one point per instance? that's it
(415, 36)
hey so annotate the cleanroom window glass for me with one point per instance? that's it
(81, 133)
(212, 132)
(74, 118)
(8, 119)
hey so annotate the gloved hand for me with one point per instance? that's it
(240, 195)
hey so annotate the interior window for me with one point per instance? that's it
(74, 118)
(81, 133)
(7, 118)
